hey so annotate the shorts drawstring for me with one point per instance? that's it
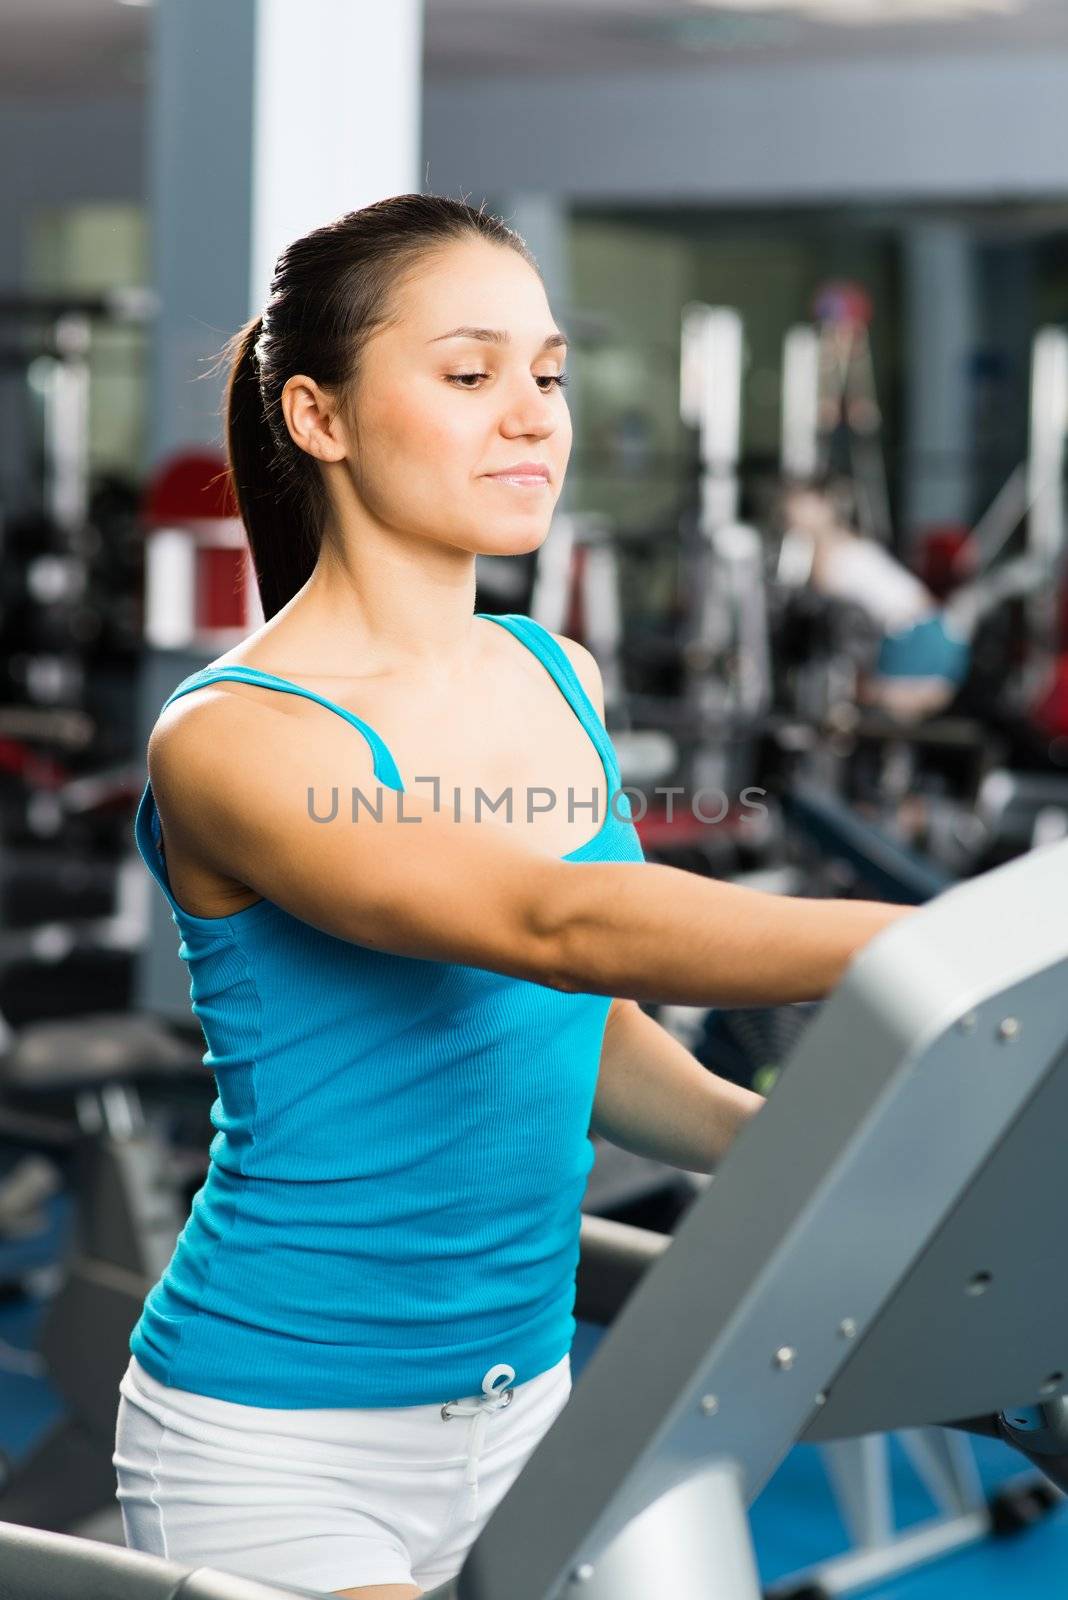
(491, 1399)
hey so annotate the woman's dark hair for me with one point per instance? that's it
(331, 290)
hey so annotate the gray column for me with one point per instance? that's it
(940, 336)
(268, 118)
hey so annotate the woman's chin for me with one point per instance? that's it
(504, 540)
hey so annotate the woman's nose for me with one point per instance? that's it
(531, 415)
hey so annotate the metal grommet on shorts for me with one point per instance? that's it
(504, 1396)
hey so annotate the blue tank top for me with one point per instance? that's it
(392, 1202)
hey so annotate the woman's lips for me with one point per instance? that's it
(521, 480)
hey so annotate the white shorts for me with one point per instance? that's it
(324, 1499)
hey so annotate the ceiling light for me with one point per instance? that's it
(867, 11)
(723, 31)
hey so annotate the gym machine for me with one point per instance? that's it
(1033, 495)
(95, 1100)
(71, 553)
(69, 627)
(820, 387)
(896, 1204)
(701, 737)
(828, 388)
(725, 644)
(829, 397)
(932, 777)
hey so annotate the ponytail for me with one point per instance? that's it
(284, 547)
(331, 290)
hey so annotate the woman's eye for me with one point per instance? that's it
(466, 379)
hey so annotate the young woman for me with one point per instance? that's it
(416, 1006)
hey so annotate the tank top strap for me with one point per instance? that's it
(385, 768)
(556, 661)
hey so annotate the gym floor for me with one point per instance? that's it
(794, 1521)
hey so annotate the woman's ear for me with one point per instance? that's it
(314, 420)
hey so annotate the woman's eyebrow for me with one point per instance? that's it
(495, 336)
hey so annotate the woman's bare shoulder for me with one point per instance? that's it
(205, 711)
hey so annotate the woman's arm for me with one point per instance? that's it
(655, 1099)
(659, 933)
(652, 932)
(414, 881)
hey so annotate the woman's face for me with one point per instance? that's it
(809, 511)
(436, 414)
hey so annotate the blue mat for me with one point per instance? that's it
(29, 1406)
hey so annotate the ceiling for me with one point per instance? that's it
(582, 36)
(90, 47)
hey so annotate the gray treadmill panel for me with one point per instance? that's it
(901, 1091)
(965, 1332)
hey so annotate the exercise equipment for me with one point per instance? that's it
(200, 584)
(724, 642)
(576, 592)
(749, 1046)
(65, 541)
(39, 1565)
(80, 1090)
(1045, 485)
(829, 397)
(990, 663)
(896, 1202)
(69, 630)
(879, 865)
(694, 730)
(1032, 496)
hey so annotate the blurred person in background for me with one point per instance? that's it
(925, 651)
